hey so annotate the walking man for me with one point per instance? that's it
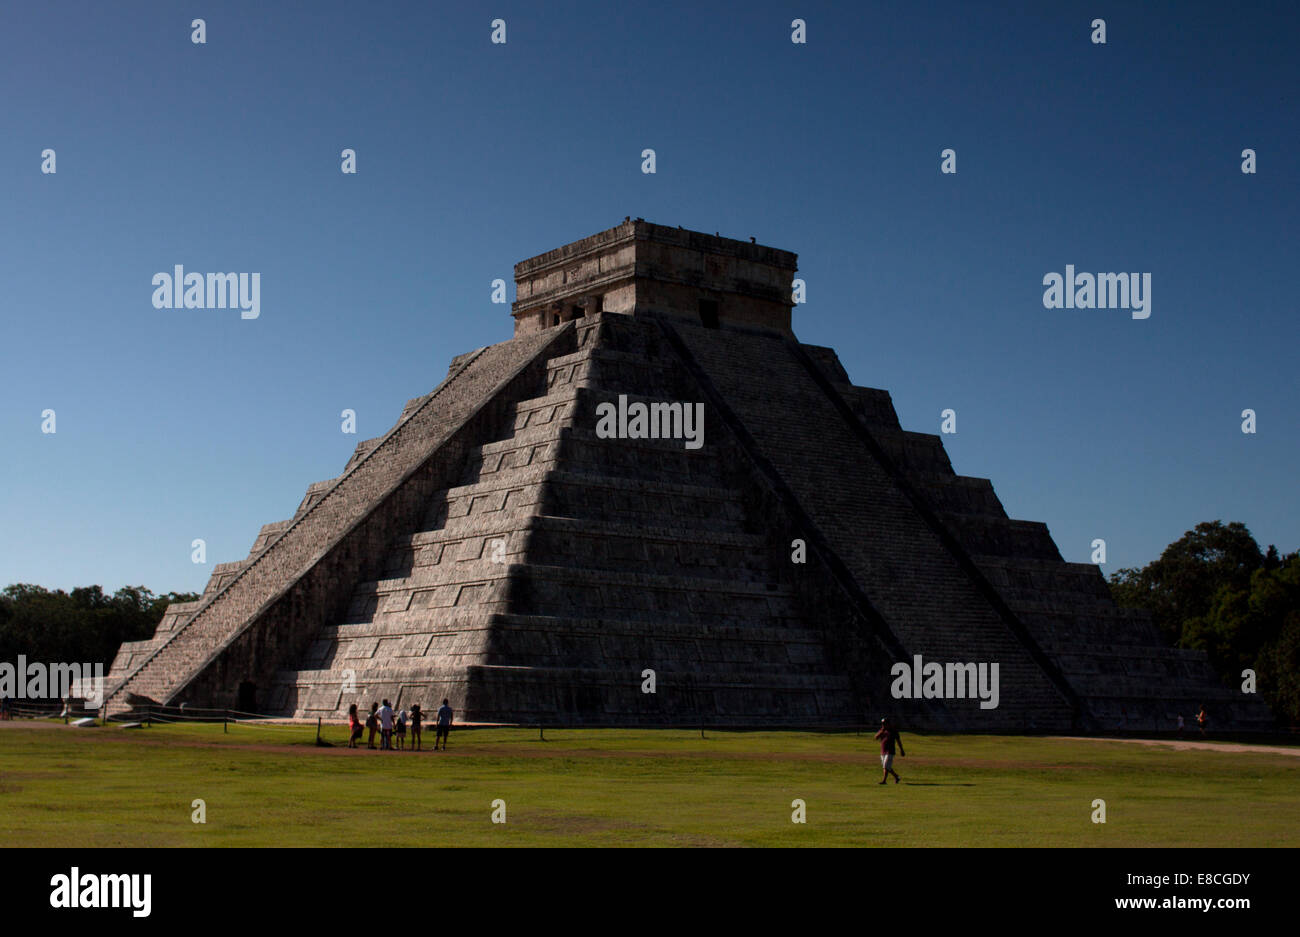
(889, 737)
(444, 726)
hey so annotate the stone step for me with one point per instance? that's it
(918, 454)
(1120, 652)
(613, 371)
(449, 620)
(960, 494)
(513, 492)
(630, 646)
(222, 575)
(1029, 578)
(562, 590)
(1054, 625)
(990, 535)
(454, 554)
(603, 497)
(596, 544)
(315, 491)
(459, 554)
(503, 635)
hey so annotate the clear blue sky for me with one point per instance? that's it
(177, 424)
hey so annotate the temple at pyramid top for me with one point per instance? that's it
(639, 268)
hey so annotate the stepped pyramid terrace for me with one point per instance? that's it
(502, 547)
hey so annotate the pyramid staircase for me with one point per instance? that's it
(561, 566)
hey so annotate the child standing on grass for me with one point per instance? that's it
(401, 729)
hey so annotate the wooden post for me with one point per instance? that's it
(225, 721)
(541, 732)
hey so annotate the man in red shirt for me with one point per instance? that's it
(889, 737)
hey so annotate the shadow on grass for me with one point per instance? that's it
(940, 783)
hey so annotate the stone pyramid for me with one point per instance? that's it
(500, 548)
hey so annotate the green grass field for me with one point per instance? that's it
(270, 786)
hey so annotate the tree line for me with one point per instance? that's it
(85, 625)
(1214, 590)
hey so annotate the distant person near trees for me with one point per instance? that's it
(444, 726)
(1202, 719)
(889, 737)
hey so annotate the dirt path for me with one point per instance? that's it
(1181, 745)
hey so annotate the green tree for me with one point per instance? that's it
(85, 625)
(1183, 583)
(1279, 671)
(1213, 590)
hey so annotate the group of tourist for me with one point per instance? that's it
(391, 726)
(1202, 720)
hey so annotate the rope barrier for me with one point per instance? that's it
(193, 714)
(168, 715)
